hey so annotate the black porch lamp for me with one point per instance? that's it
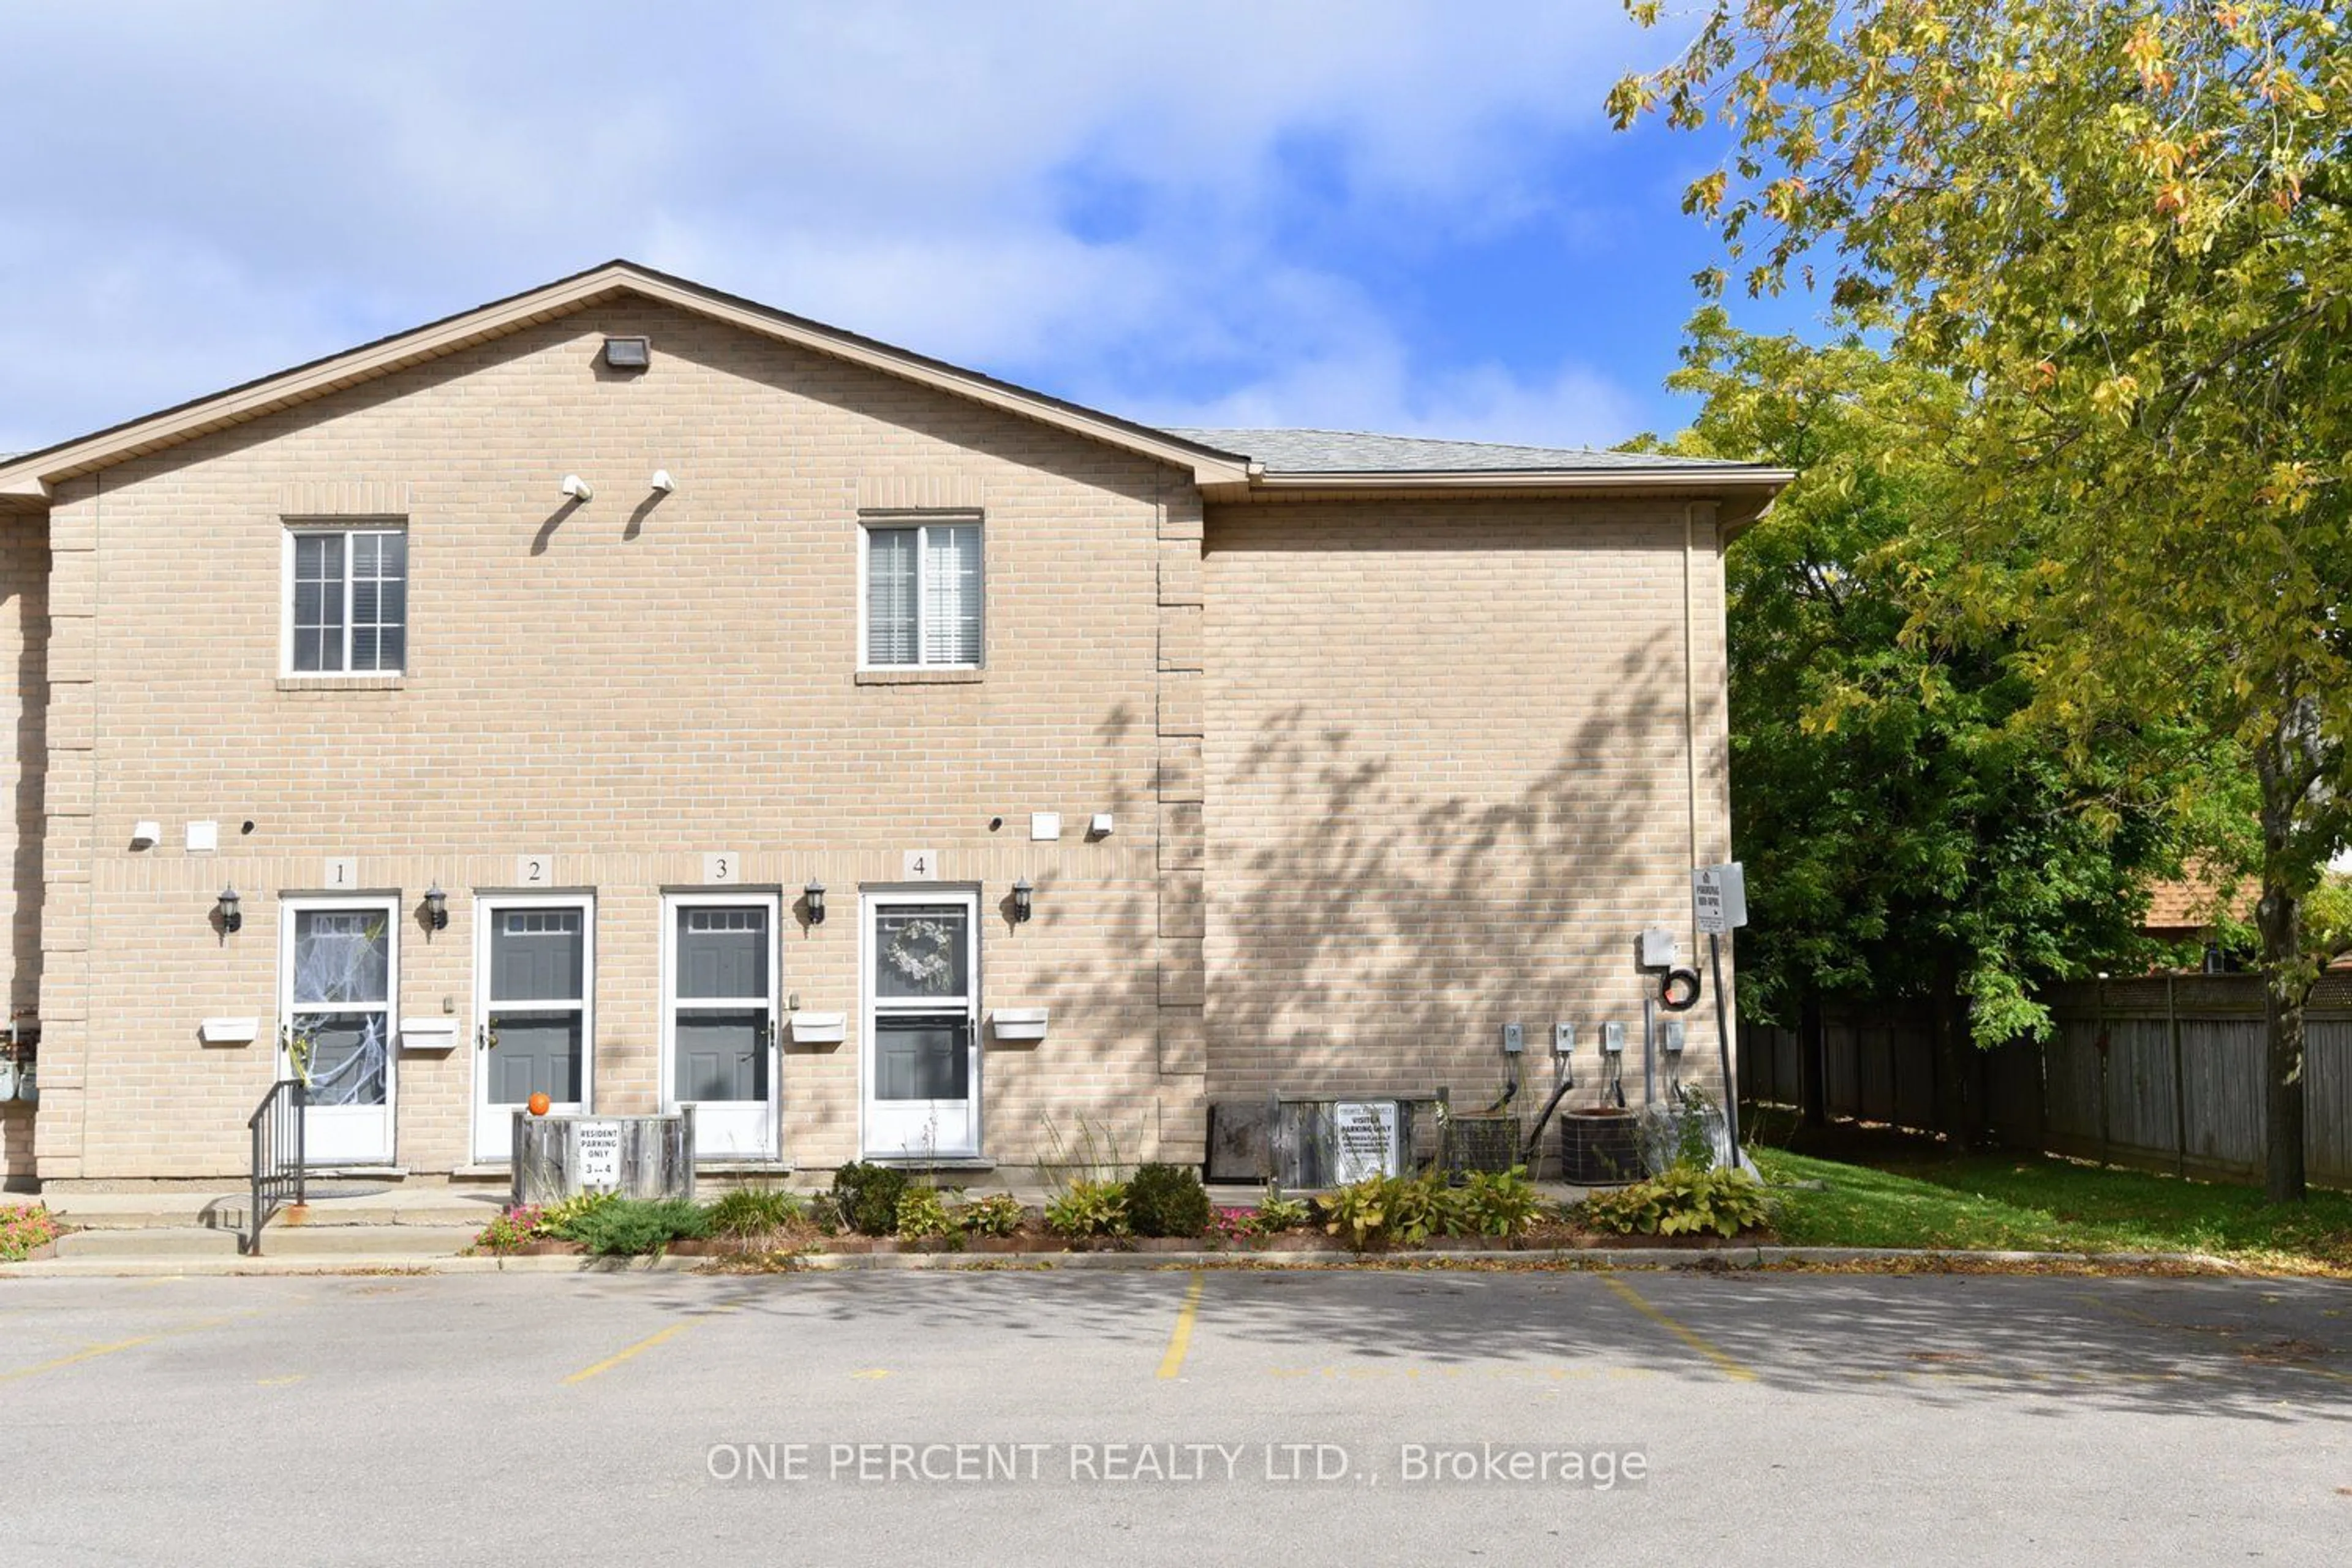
(231, 917)
(436, 908)
(814, 894)
(1024, 901)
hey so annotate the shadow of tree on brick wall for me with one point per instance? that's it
(1381, 937)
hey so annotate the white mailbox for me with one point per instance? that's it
(1022, 1024)
(428, 1034)
(820, 1028)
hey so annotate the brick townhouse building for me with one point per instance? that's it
(630, 693)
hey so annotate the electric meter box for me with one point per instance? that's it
(1671, 1036)
(1514, 1040)
(1612, 1039)
(1656, 949)
(1563, 1039)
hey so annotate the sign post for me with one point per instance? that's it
(1718, 904)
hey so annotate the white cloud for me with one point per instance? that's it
(1115, 200)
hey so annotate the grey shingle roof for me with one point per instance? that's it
(1358, 452)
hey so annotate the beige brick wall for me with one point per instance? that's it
(1449, 777)
(622, 686)
(24, 707)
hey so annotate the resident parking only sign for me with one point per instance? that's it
(1720, 898)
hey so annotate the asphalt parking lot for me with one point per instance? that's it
(1037, 1416)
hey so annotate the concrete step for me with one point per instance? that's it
(158, 1241)
(227, 1211)
(277, 1241)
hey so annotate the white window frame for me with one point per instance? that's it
(347, 529)
(924, 521)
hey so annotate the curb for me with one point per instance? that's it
(1709, 1259)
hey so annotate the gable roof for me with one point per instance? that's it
(32, 474)
(1226, 463)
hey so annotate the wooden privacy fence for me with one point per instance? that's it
(2164, 1073)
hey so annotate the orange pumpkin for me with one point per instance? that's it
(538, 1104)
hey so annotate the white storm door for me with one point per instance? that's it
(921, 1034)
(718, 1021)
(535, 972)
(337, 966)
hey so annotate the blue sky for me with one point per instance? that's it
(1378, 215)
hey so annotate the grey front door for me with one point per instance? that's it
(721, 1035)
(537, 969)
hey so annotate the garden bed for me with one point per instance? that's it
(1160, 1209)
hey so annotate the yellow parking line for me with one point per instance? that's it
(1731, 1367)
(94, 1352)
(660, 1336)
(1181, 1339)
(640, 1348)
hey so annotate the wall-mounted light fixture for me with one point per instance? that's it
(436, 908)
(231, 917)
(1024, 901)
(814, 894)
(662, 482)
(577, 489)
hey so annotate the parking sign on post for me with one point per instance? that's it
(1718, 904)
(1720, 898)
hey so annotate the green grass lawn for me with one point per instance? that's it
(1904, 1193)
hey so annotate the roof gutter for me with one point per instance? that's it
(1745, 491)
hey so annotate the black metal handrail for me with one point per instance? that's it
(277, 1128)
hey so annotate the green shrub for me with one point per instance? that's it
(1276, 1214)
(923, 1215)
(991, 1214)
(627, 1228)
(1493, 1203)
(865, 1197)
(1682, 1200)
(1167, 1200)
(749, 1214)
(557, 1218)
(1089, 1208)
(1387, 1211)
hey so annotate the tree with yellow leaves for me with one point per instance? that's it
(2125, 228)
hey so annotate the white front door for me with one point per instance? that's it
(922, 1022)
(338, 962)
(718, 1020)
(535, 973)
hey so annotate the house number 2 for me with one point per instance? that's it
(534, 870)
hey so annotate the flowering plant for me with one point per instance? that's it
(23, 1227)
(509, 1230)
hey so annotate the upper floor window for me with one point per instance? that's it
(346, 601)
(923, 593)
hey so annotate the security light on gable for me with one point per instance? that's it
(577, 489)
